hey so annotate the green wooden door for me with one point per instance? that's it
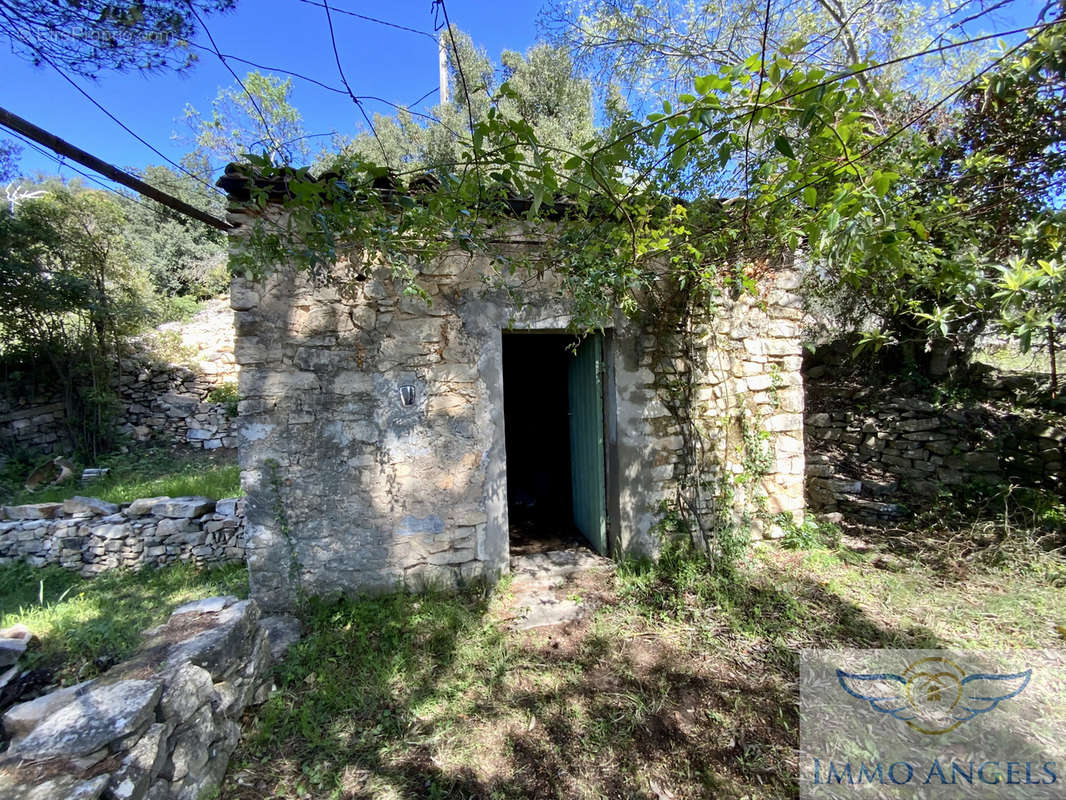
(587, 477)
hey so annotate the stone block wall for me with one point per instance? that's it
(171, 402)
(161, 725)
(755, 392)
(718, 410)
(31, 416)
(159, 399)
(90, 536)
(350, 490)
(877, 456)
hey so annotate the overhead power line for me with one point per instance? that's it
(375, 20)
(62, 164)
(64, 148)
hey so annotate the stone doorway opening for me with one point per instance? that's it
(554, 432)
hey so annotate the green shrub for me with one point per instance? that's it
(811, 535)
(225, 393)
(176, 308)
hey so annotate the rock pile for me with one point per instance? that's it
(90, 536)
(162, 725)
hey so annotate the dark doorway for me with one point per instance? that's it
(548, 415)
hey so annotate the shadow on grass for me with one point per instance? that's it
(84, 625)
(144, 471)
(684, 686)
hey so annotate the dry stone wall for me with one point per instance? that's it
(350, 490)
(162, 725)
(90, 536)
(163, 401)
(159, 399)
(877, 456)
(754, 391)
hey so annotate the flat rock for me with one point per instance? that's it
(5, 677)
(130, 781)
(219, 645)
(180, 404)
(551, 612)
(17, 631)
(61, 787)
(187, 688)
(227, 507)
(32, 511)
(88, 505)
(544, 584)
(19, 720)
(138, 508)
(10, 650)
(183, 507)
(209, 605)
(284, 632)
(92, 720)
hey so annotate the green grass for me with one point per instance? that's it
(143, 472)
(683, 680)
(1011, 358)
(86, 624)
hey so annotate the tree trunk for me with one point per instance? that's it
(1051, 350)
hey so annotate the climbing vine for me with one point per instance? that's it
(281, 520)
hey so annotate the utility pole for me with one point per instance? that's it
(64, 148)
(442, 59)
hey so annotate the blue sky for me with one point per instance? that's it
(393, 64)
(397, 65)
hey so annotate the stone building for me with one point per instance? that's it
(386, 441)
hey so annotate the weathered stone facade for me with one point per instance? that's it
(91, 536)
(161, 725)
(349, 489)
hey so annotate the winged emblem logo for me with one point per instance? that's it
(934, 695)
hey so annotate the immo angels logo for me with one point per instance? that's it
(934, 695)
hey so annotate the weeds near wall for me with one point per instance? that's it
(226, 394)
(705, 506)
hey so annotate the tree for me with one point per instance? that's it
(88, 37)
(183, 257)
(542, 90)
(254, 115)
(655, 48)
(9, 155)
(1033, 298)
(888, 207)
(70, 293)
(979, 190)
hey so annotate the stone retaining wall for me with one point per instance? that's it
(32, 417)
(90, 536)
(170, 402)
(162, 725)
(877, 456)
(159, 399)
